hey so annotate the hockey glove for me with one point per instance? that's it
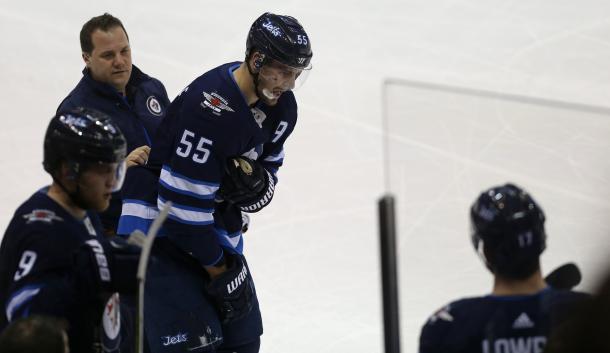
(246, 184)
(232, 291)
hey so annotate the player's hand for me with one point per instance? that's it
(215, 271)
(246, 184)
(232, 290)
(138, 156)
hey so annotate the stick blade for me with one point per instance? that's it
(566, 276)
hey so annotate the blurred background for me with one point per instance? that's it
(314, 251)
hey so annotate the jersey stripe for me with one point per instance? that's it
(233, 241)
(275, 157)
(188, 215)
(181, 184)
(19, 298)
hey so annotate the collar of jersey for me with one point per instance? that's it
(518, 296)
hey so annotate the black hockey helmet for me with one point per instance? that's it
(507, 228)
(281, 38)
(82, 137)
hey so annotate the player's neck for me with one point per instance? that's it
(57, 194)
(531, 285)
(245, 82)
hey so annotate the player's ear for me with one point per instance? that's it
(257, 60)
(66, 174)
(86, 58)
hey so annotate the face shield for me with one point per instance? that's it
(119, 176)
(276, 78)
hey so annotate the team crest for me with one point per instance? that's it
(216, 103)
(153, 105)
(45, 216)
(111, 324)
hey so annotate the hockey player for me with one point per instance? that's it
(111, 84)
(219, 149)
(54, 259)
(508, 233)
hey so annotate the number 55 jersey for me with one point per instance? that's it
(209, 122)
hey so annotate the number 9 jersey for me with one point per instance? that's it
(38, 274)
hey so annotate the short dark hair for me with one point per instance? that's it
(520, 267)
(34, 334)
(104, 23)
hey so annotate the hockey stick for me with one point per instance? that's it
(146, 243)
(389, 277)
(566, 276)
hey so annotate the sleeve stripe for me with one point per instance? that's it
(128, 224)
(275, 157)
(193, 223)
(188, 215)
(234, 241)
(23, 296)
(182, 184)
(141, 202)
(138, 209)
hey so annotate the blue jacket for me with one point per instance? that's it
(138, 116)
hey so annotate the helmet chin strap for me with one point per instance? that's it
(75, 196)
(254, 77)
(265, 91)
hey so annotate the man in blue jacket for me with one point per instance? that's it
(111, 84)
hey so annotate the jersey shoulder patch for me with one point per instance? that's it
(42, 215)
(443, 314)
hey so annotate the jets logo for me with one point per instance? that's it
(273, 29)
(171, 340)
(215, 102)
(72, 120)
(153, 105)
(111, 324)
(45, 216)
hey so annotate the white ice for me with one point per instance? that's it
(314, 251)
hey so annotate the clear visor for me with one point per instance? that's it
(278, 77)
(119, 176)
